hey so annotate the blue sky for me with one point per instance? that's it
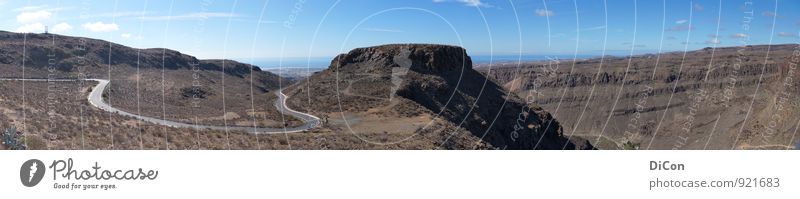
(248, 29)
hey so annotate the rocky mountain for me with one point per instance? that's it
(421, 88)
(153, 82)
(712, 98)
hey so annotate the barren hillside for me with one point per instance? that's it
(415, 88)
(151, 82)
(723, 98)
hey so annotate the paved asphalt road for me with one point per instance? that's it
(96, 99)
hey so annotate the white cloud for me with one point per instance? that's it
(115, 14)
(594, 28)
(37, 16)
(130, 36)
(101, 27)
(543, 13)
(29, 8)
(786, 34)
(31, 28)
(680, 28)
(380, 30)
(40, 7)
(699, 7)
(713, 41)
(62, 27)
(740, 35)
(472, 3)
(682, 21)
(190, 16)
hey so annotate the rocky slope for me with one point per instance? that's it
(723, 98)
(152, 82)
(428, 87)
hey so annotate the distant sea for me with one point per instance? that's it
(288, 63)
(485, 59)
(323, 62)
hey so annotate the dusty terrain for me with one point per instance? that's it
(395, 88)
(404, 96)
(724, 98)
(67, 121)
(151, 82)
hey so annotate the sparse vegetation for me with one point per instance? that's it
(628, 145)
(632, 99)
(12, 140)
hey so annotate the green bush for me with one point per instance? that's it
(630, 146)
(12, 141)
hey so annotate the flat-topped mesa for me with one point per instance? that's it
(435, 79)
(424, 58)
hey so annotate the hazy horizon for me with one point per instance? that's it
(273, 29)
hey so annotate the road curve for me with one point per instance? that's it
(96, 99)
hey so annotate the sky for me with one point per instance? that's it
(247, 30)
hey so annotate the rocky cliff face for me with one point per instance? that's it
(697, 101)
(440, 80)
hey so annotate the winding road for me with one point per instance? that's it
(96, 99)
